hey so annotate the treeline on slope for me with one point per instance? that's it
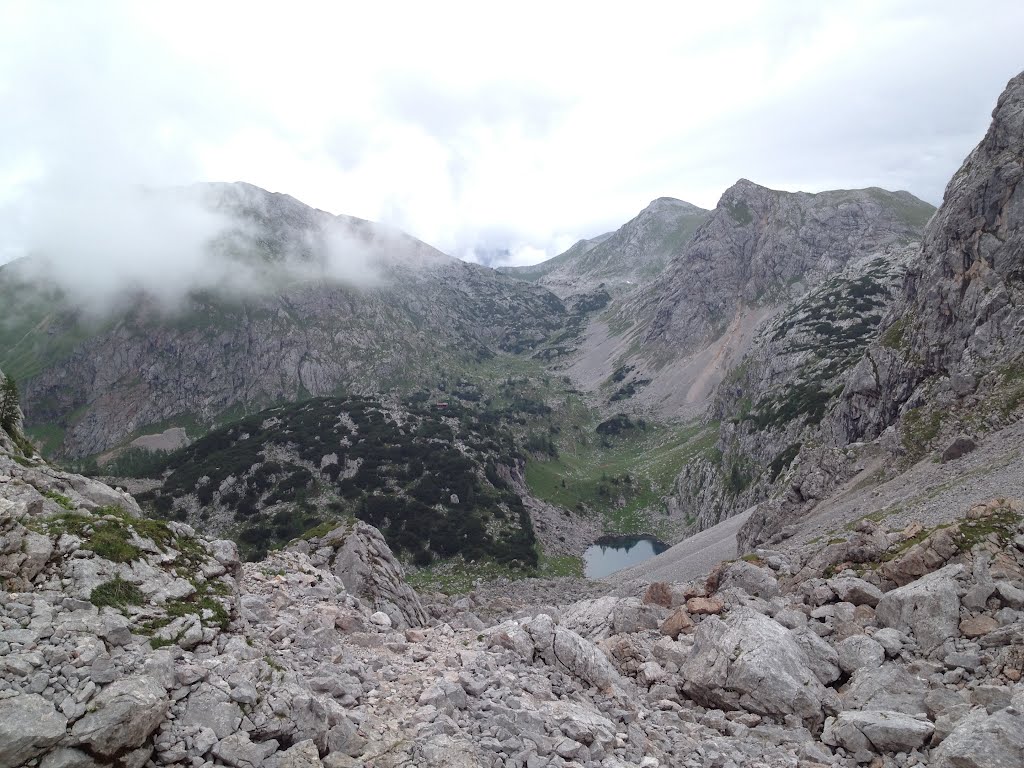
(428, 477)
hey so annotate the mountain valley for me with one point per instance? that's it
(335, 517)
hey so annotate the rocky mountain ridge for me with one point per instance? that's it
(90, 385)
(945, 368)
(632, 255)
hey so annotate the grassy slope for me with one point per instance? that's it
(638, 468)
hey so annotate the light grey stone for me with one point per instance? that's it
(751, 662)
(929, 607)
(859, 651)
(122, 715)
(876, 731)
(29, 725)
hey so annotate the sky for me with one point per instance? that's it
(494, 133)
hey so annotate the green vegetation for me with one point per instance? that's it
(428, 477)
(894, 336)
(109, 531)
(783, 461)
(457, 576)
(623, 478)
(740, 212)
(116, 593)
(1000, 525)
(61, 499)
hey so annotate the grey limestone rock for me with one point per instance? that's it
(369, 570)
(751, 662)
(29, 726)
(877, 731)
(981, 740)
(122, 716)
(929, 607)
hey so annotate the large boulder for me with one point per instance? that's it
(361, 558)
(981, 740)
(889, 687)
(876, 731)
(540, 639)
(752, 579)
(850, 589)
(29, 726)
(923, 558)
(748, 661)
(122, 716)
(929, 607)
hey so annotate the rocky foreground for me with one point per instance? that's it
(131, 642)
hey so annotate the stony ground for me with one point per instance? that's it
(129, 642)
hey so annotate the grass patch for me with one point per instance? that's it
(60, 499)
(895, 335)
(623, 479)
(111, 543)
(456, 576)
(1002, 524)
(197, 606)
(557, 566)
(116, 593)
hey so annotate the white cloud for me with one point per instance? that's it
(521, 128)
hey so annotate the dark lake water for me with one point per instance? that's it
(612, 553)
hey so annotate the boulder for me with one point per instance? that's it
(29, 726)
(122, 716)
(591, 619)
(859, 651)
(367, 567)
(301, 755)
(981, 740)
(753, 580)
(977, 626)
(239, 751)
(564, 649)
(876, 731)
(658, 593)
(929, 607)
(751, 662)
(850, 589)
(923, 558)
(960, 446)
(821, 657)
(889, 687)
(708, 606)
(676, 624)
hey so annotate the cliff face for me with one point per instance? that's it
(963, 309)
(763, 247)
(305, 331)
(947, 360)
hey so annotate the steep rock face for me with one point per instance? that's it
(635, 253)
(304, 329)
(362, 560)
(947, 358)
(762, 246)
(759, 250)
(964, 295)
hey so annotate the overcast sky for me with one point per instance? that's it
(470, 127)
